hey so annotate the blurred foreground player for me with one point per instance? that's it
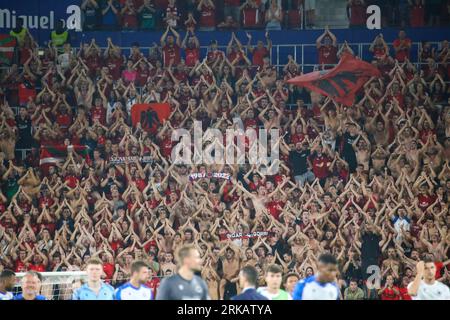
(248, 277)
(425, 286)
(135, 289)
(7, 282)
(321, 286)
(185, 285)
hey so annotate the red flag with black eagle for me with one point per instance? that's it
(150, 115)
(340, 83)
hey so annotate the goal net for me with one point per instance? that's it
(57, 285)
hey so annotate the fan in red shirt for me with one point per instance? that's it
(166, 145)
(19, 263)
(236, 54)
(389, 291)
(171, 47)
(191, 47)
(154, 282)
(129, 16)
(328, 49)
(250, 14)
(26, 90)
(93, 60)
(417, 14)
(294, 14)
(143, 72)
(402, 46)
(404, 289)
(63, 117)
(114, 61)
(356, 13)
(207, 10)
(37, 268)
(108, 266)
(379, 48)
(46, 199)
(98, 111)
(250, 120)
(259, 52)
(214, 53)
(320, 164)
(275, 207)
(424, 199)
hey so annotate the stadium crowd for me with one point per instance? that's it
(369, 183)
(209, 15)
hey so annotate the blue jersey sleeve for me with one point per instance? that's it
(75, 295)
(117, 294)
(298, 290)
(112, 290)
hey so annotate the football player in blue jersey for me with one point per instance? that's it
(321, 286)
(135, 289)
(7, 282)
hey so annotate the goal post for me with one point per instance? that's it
(57, 285)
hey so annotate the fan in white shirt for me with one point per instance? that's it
(7, 282)
(425, 286)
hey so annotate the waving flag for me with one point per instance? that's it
(7, 49)
(340, 83)
(51, 155)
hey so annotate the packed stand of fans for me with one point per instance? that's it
(368, 183)
(209, 15)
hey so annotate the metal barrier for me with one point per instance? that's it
(306, 54)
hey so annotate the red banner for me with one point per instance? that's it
(150, 115)
(340, 83)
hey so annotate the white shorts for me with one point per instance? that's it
(310, 5)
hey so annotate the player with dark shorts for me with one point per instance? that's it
(185, 285)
